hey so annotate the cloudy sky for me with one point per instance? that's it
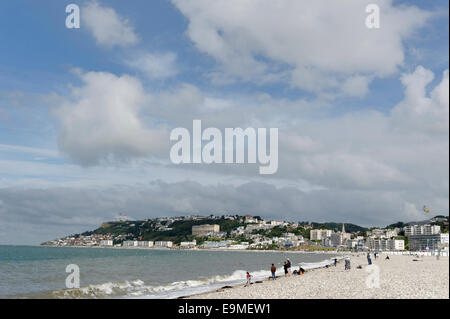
(85, 114)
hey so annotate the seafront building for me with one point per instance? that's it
(106, 243)
(137, 243)
(216, 244)
(428, 242)
(188, 244)
(414, 230)
(163, 244)
(384, 244)
(145, 244)
(319, 234)
(425, 237)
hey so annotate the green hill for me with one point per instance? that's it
(146, 230)
(349, 228)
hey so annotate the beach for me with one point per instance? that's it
(400, 277)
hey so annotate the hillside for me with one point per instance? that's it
(349, 228)
(147, 230)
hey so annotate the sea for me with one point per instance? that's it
(40, 271)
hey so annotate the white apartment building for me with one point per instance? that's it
(217, 244)
(188, 244)
(386, 244)
(130, 243)
(145, 243)
(106, 243)
(164, 244)
(396, 244)
(319, 234)
(413, 230)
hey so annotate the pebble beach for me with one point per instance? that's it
(400, 277)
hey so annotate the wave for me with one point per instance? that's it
(138, 289)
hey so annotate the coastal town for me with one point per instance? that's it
(234, 232)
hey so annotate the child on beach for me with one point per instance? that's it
(249, 278)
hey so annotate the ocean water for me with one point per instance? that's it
(40, 272)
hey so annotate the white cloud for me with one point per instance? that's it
(420, 110)
(155, 66)
(359, 157)
(101, 121)
(108, 28)
(320, 46)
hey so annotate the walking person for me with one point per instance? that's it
(335, 262)
(273, 270)
(347, 263)
(249, 278)
(369, 259)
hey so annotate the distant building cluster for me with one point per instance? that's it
(421, 237)
(255, 233)
(86, 241)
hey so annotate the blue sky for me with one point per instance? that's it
(352, 133)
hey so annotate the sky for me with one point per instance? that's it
(86, 113)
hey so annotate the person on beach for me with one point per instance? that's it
(347, 263)
(285, 269)
(273, 270)
(288, 263)
(335, 262)
(369, 259)
(249, 278)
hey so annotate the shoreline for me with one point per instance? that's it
(401, 277)
(221, 289)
